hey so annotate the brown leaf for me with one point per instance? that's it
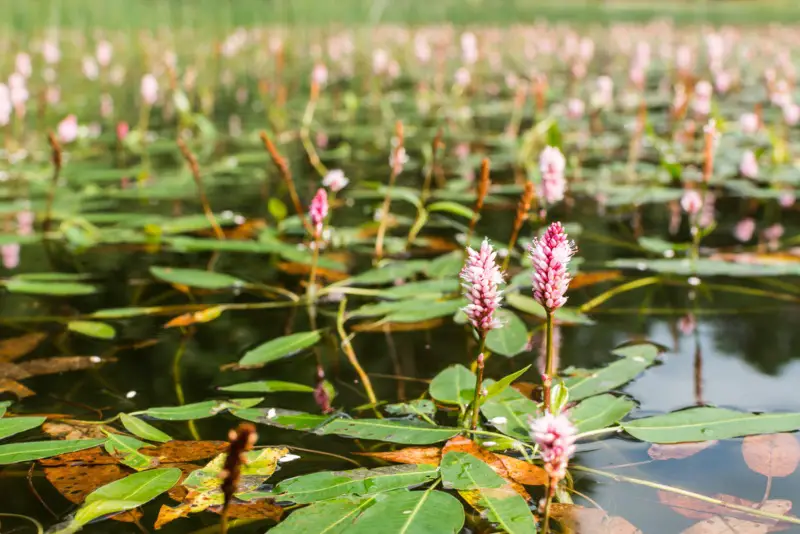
(593, 521)
(379, 326)
(185, 451)
(75, 430)
(697, 509)
(772, 455)
(409, 455)
(60, 364)
(8, 385)
(677, 451)
(12, 371)
(724, 524)
(463, 444)
(202, 316)
(254, 510)
(76, 482)
(87, 457)
(524, 472)
(302, 269)
(590, 279)
(179, 491)
(17, 347)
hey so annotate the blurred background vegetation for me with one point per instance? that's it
(221, 15)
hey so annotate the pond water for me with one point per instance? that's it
(727, 330)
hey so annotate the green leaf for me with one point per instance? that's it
(411, 512)
(447, 265)
(326, 517)
(278, 348)
(197, 410)
(144, 430)
(421, 289)
(589, 382)
(196, 278)
(277, 208)
(54, 289)
(407, 432)
(268, 386)
(705, 267)
(280, 418)
(14, 425)
(125, 494)
(496, 388)
(35, 450)
(380, 309)
(414, 407)
(454, 385)
(386, 274)
(565, 315)
(92, 329)
(3, 407)
(509, 412)
(707, 423)
(511, 338)
(599, 412)
(426, 311)
(452, 207)
(326, 485)
(126, 449)
(503, 505)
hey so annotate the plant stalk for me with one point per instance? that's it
(548, 369)
(478, 385)
(548, 503)
(195, 169)
(347, 347)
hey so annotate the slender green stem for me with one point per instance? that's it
(622, 288)
(478, 386)
(600, 431)
(548, 369)
(347, 347)
(39, 528)
(700, 497)
(176, 380)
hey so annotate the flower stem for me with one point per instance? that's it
(547, 504)
(312, 277)
(548, 369)
(347, 347)
(478, 385)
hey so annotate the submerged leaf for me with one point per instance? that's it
(599, 412)
(202, 316)
(677, 451)
(53, 289)
(268, 386)
(772, 455)
(197, 410)
(12, 386)
(13, 453)
(593, 521)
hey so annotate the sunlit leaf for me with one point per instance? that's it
(144, 430)
(454, 385)
(280, 418)
(463, 471)
(414, 407)
(511, 338)
(496, 388)
(494, 461)
(509, 412)
(197, 410)
(599, 412)
(268, 386)
(14, 425)
(54, 289)
(13, 453)
(185, 451)
(707, 423)
(92, 329)
(407, 432)
(326, 485)
(278, 348)
(407, 512)
(202, 316)
(409, 455)
(196, 278)
(772, 455)
(126, 449)
(589, 382)
(328, 517)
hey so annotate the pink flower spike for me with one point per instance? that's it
(691, 201)
(749, 165)
(552, 165)
(335, 180)
(481, 277)
(318, 211)
(555, 435)
(68, 129)
(550, 256)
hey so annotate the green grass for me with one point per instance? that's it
(221, 15)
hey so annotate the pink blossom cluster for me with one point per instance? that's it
(318, 211)
(481, 277)
(550, 256)
(555, 435)
(552, 165)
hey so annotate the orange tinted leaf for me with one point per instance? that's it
(590, 279)
(185, 451)
(302, 269)
(8, 385)
(202, 316)
(772, 455)
(409, 455)
(254, 510)
(726, 524)
(87, 457)
(76, 482)
(524, 472)
(74, 430)
(593, 521)
(463, 444)
(17, 347)
(677, 451)
(60, 364)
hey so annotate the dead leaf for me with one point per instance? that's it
(409, 455)
(74, 430)
(379, 326)
(178, 492)
(463, 444)
(17, 347)
(724, 524)
(12, 371)
(8, 385)
(253, 510)
(302, 269)
(61, 364)
(697, 509)
(524, 472)
(593, 521)
(185, 451)
(202, 316)
(590, 279)
(76, 482)
(87, 457)
(772, 455)
(677, 451)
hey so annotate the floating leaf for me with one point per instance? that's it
(509, 413)
(597, 277)
(124, 494)
(414, 407)
(706, 267)
(524, 472)
(386, 274)
(706, 423)
(409, 455)
(454, 385)
(202, 316)
(280, 418)
(326, 485)
(328, 517)
(446, 265)
(185, 451)
(86, 457)
(53, 289)
(677, 451)
(463, 471)
(49, 366)
(509, 340)
(563, 315)
(600, 411)
(126, 449)
(407, 512)
(425, 311)
(466, 445)
(772, 455)
(68, 429)
(14, 425)
(16, 347)
(144, 430)
(196, 278)
(268, 386)
(582, 520)
(724, 523)
(76, 482)
(278, 348)
(197, 410)
(407, 432)
(635, 359)
(33, 450)
(92, 329)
